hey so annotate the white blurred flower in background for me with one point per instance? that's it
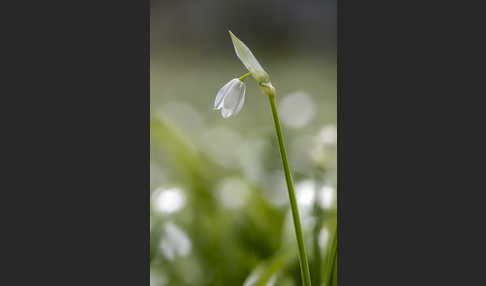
(305, 192)
(174, 242)
(327, 197)
(323, 238)
(297, 109)
(328, 135)
(324, 142)
(169, 200)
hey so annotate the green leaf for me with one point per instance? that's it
(331, 271)
(249, 60)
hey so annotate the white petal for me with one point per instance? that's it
(226, 112)
(242, 101)
(233, 96)
(218, 102)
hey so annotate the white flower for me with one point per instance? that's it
(230, 98)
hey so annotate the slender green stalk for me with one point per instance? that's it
(242, 78)
(304, 266)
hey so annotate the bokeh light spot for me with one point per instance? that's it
(323, 238)
(305, 192)
(233, 193)
(175, 242)
(297, 109)
(326, 197)
(169, 200)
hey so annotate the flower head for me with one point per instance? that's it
(230, 98)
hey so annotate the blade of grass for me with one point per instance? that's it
(331, 259)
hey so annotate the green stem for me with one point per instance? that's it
(304, 266)
(242, 78)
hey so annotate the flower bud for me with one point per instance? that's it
(249, 60)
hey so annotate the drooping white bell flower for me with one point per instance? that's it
(230, 98)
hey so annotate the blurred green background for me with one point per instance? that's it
(219, 207)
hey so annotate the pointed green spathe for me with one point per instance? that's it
(249, 60)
